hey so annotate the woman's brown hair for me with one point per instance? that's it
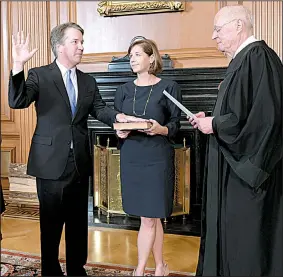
(150, 48)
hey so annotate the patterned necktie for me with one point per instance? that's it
(71, 92)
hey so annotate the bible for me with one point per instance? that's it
(123, 126)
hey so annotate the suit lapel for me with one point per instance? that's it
(81, 90)
(58, 80)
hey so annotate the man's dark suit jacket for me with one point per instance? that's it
(55, 127)
(2, 202)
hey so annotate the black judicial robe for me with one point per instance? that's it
(242, 232)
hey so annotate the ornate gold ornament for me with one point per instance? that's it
(107, 185)
(114, 8)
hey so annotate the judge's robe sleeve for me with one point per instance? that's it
(249, 128)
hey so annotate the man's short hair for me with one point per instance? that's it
(57, 36)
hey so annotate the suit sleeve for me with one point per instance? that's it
(118, 101)
(249, 132)
(118, 104)
(22, 93)
(100, 110)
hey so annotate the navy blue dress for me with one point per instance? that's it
(147, 162)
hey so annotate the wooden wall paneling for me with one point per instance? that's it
(222, 3)
(36, 18)
(6, 113)
(54, 18)
(61, 12)
(33, 18)
(64, 11)
(72, 11)
(268, 22)
(54, 15)
(9, 128)
(9, 154)
(11, 144)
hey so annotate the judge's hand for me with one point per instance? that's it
(155, 129)
(20, 51)
(122, 134)
(197, 115)
(121, 117)
(204, 124)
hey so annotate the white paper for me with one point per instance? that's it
(178, 104)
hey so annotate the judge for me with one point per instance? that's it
(242, 201)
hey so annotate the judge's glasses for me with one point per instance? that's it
(218, 28)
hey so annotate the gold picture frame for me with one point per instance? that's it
(117, 8)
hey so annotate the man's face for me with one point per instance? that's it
(225, 34)
(71, 50)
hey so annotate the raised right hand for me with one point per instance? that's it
(20, 49)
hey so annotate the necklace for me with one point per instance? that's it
(134, 102)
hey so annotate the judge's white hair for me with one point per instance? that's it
(238, 12)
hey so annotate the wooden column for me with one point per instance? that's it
(268, 23)
(32, 18)
(267, 16)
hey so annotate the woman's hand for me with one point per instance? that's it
(155, 129)
(122, 134)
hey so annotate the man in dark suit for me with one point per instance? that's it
(2, 209)
(59, 156)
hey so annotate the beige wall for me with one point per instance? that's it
(190, 28)
(185, 36)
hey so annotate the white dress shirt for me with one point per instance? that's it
(248, 41)
(74, 80)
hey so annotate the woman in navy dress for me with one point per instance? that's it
(147, 156)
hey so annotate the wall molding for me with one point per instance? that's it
(175, 54)
(10, 136)
(11, 151)
(72, 11)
